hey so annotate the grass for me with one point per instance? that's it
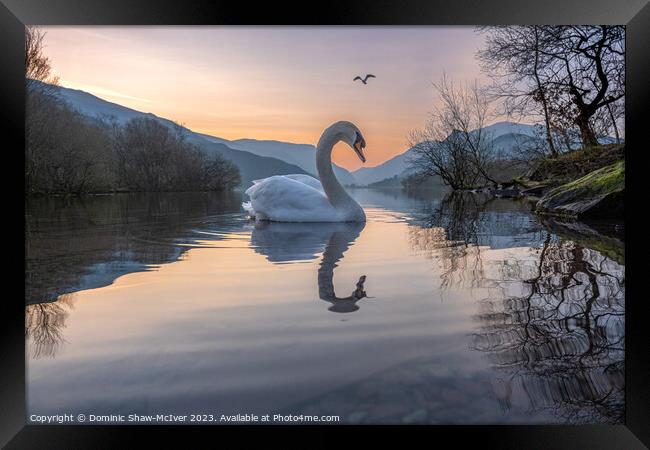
(576, 164)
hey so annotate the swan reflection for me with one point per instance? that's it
(295, 242)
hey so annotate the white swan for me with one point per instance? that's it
(301, 198)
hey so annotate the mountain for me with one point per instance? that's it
(502, 128)
(507, 136)
(302, 155)
(251, 166)
(395, 166)
(506, 144)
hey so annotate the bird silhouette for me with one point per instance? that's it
(364, 80)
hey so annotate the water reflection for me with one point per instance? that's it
(84, 243)
(531, 328)
(73, 244)
(560, 343)
(44, 325)
(553, 321)
(457, 231)
(295, 242)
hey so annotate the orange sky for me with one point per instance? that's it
(283, 83)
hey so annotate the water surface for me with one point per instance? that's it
(454, 310)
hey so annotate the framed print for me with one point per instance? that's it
(376, 217)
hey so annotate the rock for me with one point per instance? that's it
(508, 185)
(508, 193)
(599, 194)
(536, 191)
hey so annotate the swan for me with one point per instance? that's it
(302, 198)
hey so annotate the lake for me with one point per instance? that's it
(440, 309)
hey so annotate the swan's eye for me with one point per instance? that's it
(359, 141)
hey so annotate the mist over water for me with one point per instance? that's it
(440, 309)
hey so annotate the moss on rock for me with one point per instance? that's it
(598, 194)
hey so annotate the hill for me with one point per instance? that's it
(251, 166)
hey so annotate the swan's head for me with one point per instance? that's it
(351, 135)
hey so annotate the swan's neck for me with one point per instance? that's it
(338, 243)
(337, 196)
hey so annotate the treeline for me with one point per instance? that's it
(68, 153)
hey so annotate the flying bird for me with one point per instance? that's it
(364, 80)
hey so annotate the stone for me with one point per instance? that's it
(599, 194)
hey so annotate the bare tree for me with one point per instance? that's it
(65, 152)
(592, 59)
(514, 58)
(154, 157)
(571, 72)
(608, 119)
(453, 143)
(37, 65)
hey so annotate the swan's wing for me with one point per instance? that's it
(284, 199)
(308, 180)
(305, 179)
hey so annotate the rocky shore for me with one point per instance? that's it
(583, 184)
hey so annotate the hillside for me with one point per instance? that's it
(251, 166)
(301, 155)
(394, 167)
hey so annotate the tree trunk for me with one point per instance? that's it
(613, 119)
(586, 133)
(549, 137)
(542, 96)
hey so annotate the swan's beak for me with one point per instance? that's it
(358, 148)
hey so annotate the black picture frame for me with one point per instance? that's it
(635, 433)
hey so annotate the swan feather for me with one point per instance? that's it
(290, 198)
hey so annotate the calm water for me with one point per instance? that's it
(438, 310)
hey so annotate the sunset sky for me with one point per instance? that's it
(283, 83)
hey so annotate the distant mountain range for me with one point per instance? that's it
(505, 135)
(264, 158)
(301, 155)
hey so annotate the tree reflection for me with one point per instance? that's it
(552, 324)
(44, 324)
(73, 244)
(561, 342)
(450, 235)
(82, 243)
